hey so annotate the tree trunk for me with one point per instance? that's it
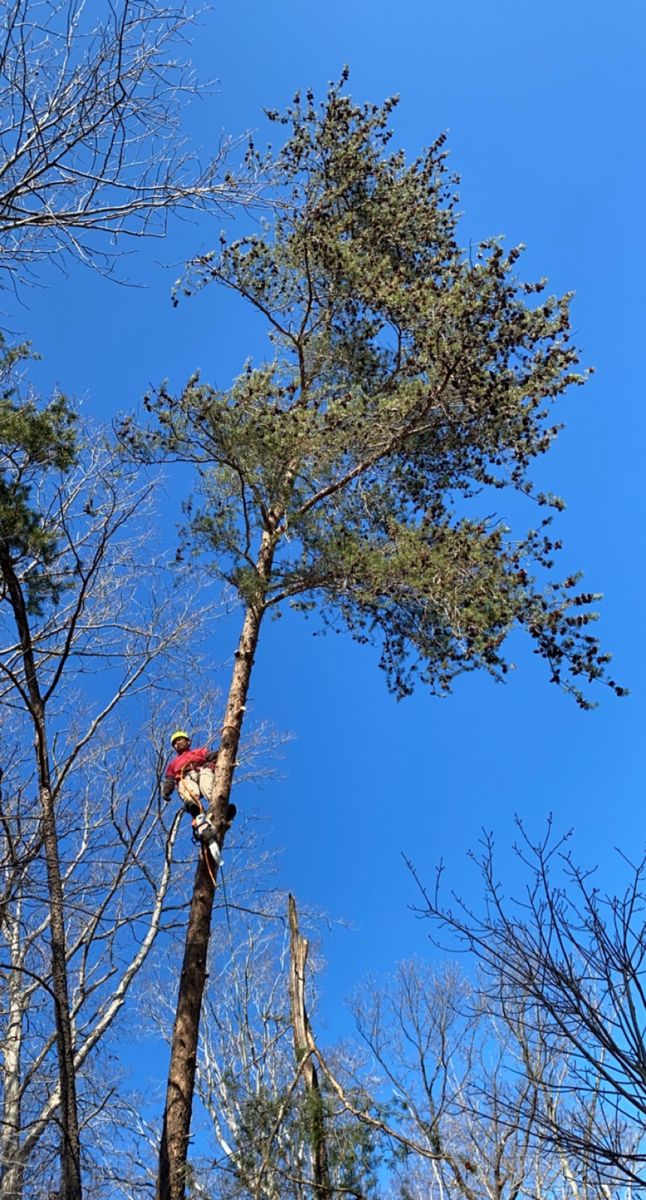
(298, 947)
(11, 1171)
(173, 1153)
(71, 1187)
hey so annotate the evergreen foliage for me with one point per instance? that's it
(352, 1148)
(408, 381)
(34, 440)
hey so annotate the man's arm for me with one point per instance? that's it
(201, 755)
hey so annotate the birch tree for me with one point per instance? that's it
(355, 471)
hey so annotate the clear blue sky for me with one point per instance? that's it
(544, 108)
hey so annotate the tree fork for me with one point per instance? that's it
(173, 1153)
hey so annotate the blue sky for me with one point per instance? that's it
(544, 109)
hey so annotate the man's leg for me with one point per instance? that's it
(203, 828)
(189, 792)
(206, 788)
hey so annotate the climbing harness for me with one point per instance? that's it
(203, 828)
(204, 832)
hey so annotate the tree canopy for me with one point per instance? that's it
(409, 381)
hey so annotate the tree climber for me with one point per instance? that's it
(191, 772)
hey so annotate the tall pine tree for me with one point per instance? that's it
(351, 471)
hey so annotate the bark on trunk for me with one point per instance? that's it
(71, 1188)
(299, 946)
(171, 1177)
(11, 1167)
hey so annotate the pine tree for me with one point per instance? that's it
(349, 473)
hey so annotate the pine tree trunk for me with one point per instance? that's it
(171, 1178)
(71, 1187)
(298, 948)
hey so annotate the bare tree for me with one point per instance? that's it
(449, 1083)
(124, 884)
(455, 1090)
(90, 130)
(566, 964)
(116, 882)
(76, 603)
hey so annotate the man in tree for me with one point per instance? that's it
(191, 771)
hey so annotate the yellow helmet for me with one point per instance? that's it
(178, 734)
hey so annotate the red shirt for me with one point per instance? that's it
(182, 763)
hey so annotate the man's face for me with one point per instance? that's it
(181, 744)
